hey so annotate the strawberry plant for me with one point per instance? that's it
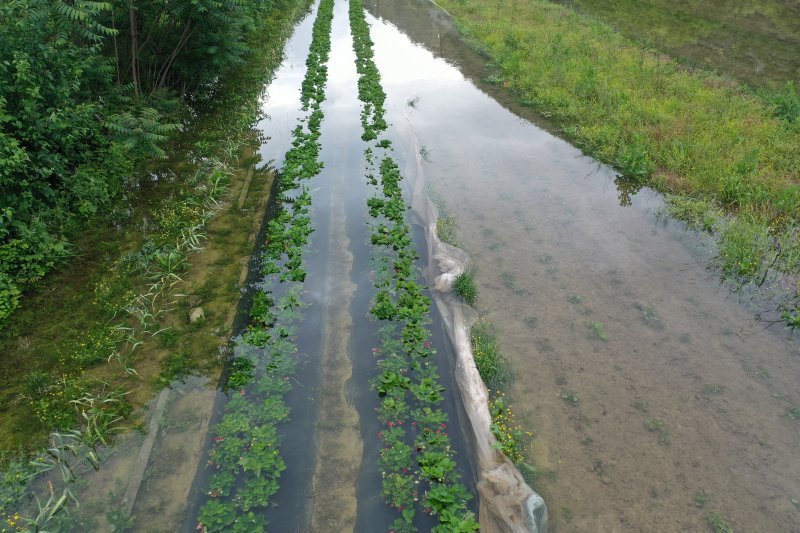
(408, 385)
(245, 453)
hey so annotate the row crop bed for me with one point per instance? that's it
(417, 461)
(245, 454)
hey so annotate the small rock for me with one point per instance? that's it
(196, 314)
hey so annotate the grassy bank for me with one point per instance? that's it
(753, 41)
(722, 150)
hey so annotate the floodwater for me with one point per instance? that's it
(329, 444)
(654, 397)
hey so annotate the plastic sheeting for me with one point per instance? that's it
(507, 503)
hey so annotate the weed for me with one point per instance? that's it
(493, 79)
(596, 330)
(697, 214)
(575, 299)
(793, 412)
(465, 288)
(544, 345)
(425, 154)
(656, 425)
(561, 380)
(510, 436)
(760, 372)
(175, 366)
(744, 250)
(168, 338)
(641, 406)
(546, 259)
(492, 365)
(570, 397)
(530, 321)
(566, 513)
(713, 389)
(599, 467)
(412, 102)
(701, 498)
(510, 281)
(446, 228)
(650, 316)
(718, 524)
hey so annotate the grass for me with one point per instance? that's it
(446, 225)
(656, 425)
(688, 133)
(650, 316)
(510, 282)
(465, 288)
(492, 365)
(718, 524)
(701, 498)
(570, 397)
(446, 228)
(713, 389)
(597, 330)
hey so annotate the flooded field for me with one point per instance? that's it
(655, 398)
(656, 401)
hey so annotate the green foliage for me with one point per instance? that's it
(78, 112)
(698, 214)
(492, 365)
(465, 288)
(408, 385)
(717, 523)
(787, 104)
(245, 454)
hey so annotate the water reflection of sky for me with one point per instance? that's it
(281, 103)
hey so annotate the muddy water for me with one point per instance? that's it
(654, 397)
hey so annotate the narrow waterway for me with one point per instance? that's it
(655, 399)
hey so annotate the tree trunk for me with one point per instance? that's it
(134, 51)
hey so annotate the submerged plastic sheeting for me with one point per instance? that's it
(507, 503)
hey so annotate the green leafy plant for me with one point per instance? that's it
(493, 366)
(597, 330)
(465, 288)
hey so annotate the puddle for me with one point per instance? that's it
(644, 380)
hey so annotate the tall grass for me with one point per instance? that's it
(492, 365)
(465, 288)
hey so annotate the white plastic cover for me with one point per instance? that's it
(507, 503)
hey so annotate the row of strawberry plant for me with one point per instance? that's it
(245, 457)
(417, 461)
